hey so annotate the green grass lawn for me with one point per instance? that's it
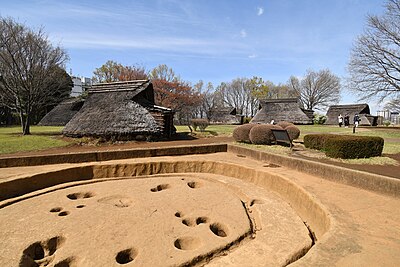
(282, 150)
(309, 129)
(42, 137)
(384, 133)
(391, 136)
(212, 130)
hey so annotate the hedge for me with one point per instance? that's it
(284, 124)
(293, 132)
(201, 123)
(261, 134)
(345, 146)
(241, 133)
(316, 141)
(353, 147)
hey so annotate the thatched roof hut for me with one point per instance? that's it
(361, 109)
(225, 115)
(284, 109)
(121, 110)
(62, 113)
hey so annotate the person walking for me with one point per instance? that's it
(340, 120)
(346, 121)
(356, 120)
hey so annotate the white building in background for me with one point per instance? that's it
(81, 84)
(395, 117)
(387, 115)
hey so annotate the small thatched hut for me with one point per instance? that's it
(284, 109)
(62, 113)
(121, 110)
(361, 109)
(225, 115)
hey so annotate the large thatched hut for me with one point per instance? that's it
(284, 109)
(361, 109)
(121, 110)
(62, 113)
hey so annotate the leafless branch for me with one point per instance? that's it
(374, 65)
(316, 89)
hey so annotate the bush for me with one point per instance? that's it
(241, 133)
(345, 146)
(319, 119)
(386, 123)
(316, 141)
(353, 147)
(201, 123)
(261, 134)
(293, 132)
(284, 124)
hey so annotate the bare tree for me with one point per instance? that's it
(113, 71)
(393, 105)
(243, 94)
(280, 91)
(237, 94)
(212, 101)
(163, 72)
(29, 70)
(316, 89)
(374, 65)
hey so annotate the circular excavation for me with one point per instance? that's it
(163, 220)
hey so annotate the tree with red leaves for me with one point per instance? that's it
(178, 96)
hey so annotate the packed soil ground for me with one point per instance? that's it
(184, 140)
(115, 217)
(167, 220)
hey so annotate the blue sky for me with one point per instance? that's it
(209, 40)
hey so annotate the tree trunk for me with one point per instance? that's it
(21, 119)
(27, 126)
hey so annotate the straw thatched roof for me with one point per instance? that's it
(284, 109)
(225, 115)
(62, 113)
(361, 109)
(118, 109)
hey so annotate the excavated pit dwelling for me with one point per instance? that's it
(158, 213)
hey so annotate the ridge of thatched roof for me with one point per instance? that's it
(117, 109)
(279, 100)
(351, 109)
(359, 107)
(135, 86)
(61, 114)
(282, 109)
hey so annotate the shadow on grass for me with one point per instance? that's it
(204, 133)
(214, 133)
(39, 134)
(46, 133)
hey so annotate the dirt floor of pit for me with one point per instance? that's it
(364, 227)
(162, 220)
